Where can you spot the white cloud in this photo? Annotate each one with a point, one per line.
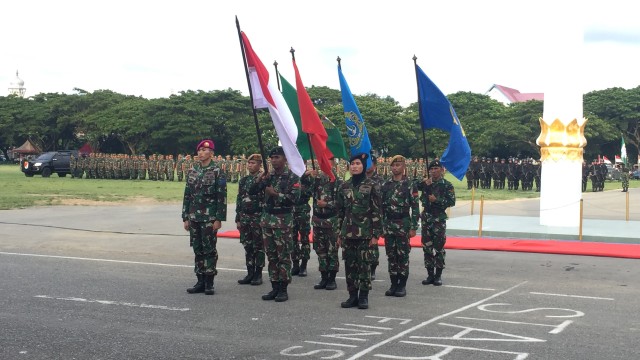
(153, 48)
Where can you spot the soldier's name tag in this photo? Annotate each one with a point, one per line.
(365, 189)
(348, 193)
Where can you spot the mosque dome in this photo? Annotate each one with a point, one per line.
(17, 82)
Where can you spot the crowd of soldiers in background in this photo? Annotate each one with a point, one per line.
(167, 168)
(516, 173)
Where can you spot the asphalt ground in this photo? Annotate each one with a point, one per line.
(107, 282)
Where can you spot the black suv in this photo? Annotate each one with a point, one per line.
(48, 163)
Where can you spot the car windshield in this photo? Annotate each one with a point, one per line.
(45, 157)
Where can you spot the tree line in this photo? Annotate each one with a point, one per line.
(115, 123)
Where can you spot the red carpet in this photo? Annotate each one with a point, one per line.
(631, 251)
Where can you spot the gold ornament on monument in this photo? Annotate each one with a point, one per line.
(558, 141)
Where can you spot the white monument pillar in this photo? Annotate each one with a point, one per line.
(562, 125)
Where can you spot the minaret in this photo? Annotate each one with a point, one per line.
(16, 87)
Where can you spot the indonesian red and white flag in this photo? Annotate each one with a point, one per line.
(266, 95)
(605, 160)
(617, 159)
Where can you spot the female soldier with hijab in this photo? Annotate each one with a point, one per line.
(360, 226)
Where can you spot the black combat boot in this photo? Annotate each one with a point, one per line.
(275, 287)
(363, 299)
(437, 280)
(373, 272)
(303, 268)
(401, 291)
(208, 284)
(282, 293)
(247, 279)
(352, 301)
(295, 269)
(324, 278)
(257, 276)
(331, 282)
(198, 287)
(429, 279)
(393, 288)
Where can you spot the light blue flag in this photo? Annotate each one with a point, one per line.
(356, 130)
(436, 112)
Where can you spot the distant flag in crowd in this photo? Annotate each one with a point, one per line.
(436, 112)
(356, 130)
(617, 159)
(266, 95)
(312, 125)
(606, 160)
(623, 151)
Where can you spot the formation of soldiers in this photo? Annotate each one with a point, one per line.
(516, 173)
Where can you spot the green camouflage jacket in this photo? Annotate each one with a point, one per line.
(323, 189)
(248, 205)
(400, 207)
(205, 194)
(445, 198)
(359, 210)
(277, 211)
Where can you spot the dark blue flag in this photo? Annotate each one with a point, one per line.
(436, 112)
(356, 130)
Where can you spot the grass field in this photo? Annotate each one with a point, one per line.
(19, 191)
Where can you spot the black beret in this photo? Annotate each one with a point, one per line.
(362, 157)
(278, 150)
(435, 163)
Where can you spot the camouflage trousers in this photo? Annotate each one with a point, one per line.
(278, 244)
(251, 240)
(203, 240)
(375, 255)
(434, 236)
(302, 226)
(324, 243)
(625, 182)
(356, 254)
(142, 174)
(397, 248)
(180, 175)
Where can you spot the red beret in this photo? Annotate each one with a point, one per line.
(206, 144)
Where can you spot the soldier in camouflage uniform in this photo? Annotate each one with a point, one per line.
(437, 195)
(325, 224)
(624, 177)
(248, 211)
(301, 228)
(400, 211)
(179, 170)
(204, 207)
(282, 190)
(144, 166)
(360, 227)
(373, 174)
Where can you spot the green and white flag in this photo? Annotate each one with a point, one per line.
(623, 151)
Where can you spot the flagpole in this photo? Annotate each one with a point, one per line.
(255, 114)
(424, 138)
(313, 165)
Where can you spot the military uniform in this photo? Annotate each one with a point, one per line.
(375, 250)
(276, 223)
(359, 224)
(400, 211)
(434, 224)
(248, 212)
(624, 177)
(205, 201)
(325, 227)
(301, 229)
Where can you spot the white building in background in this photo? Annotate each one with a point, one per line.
(16, 87)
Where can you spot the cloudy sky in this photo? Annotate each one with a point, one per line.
(156, 48)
